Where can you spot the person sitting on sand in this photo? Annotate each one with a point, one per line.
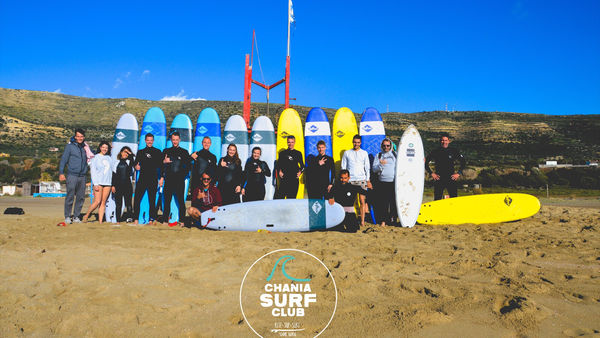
(205, 197)
(345, 194)
(101, 172)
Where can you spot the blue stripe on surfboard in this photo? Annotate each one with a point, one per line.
(262, 137)
(317, 216)
(126, 136)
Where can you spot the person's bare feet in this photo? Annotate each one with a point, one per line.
(85, 218)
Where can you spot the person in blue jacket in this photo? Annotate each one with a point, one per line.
(75, 159)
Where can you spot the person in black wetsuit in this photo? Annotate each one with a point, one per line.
(121, 182)
(204, 161)
(176, 165)
(344, 193)
(445, 175)
(147, 162)
(254, 177)
(320, 173)
(289, 167)
(229, 174)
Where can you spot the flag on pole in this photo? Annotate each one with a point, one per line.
(292, 18)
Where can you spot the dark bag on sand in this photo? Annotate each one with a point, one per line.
(14, 211)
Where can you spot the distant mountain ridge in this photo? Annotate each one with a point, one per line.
(33, 121)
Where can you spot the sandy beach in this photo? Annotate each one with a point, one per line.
(535, 277)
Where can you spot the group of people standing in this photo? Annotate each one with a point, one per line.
(215, 183)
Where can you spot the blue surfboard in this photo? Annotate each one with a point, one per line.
(372, 132)
(182, 124)
(316, 129)
(208, 124)
(156, 124)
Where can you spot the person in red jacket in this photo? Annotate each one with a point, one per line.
(204, 197)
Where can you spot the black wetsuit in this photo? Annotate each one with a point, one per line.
(253, 182)
(174, 174)
(289, 162)
(150, 161)
(318, 177)
(229, 178)
(121, 181)
(345, 195)
(206, 162)
(444, 159)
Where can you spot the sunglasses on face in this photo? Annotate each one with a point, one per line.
(206, 179)
(387, 145)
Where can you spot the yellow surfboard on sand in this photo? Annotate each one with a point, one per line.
(343, 130)
(290, 124)
(479, 209)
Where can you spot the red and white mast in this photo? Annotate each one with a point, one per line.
(248, 80)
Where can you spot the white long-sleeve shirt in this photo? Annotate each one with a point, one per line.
(357, 163)
(101, 170)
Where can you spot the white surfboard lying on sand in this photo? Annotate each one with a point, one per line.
(282, 216)
(410, 176)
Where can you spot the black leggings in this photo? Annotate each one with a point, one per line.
(123, 191)
(444, 183)
(141, 187)
(255, 193)
(174, 187)
(287, 189)
(385, 207)
(228, 194)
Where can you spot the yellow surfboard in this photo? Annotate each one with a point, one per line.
(344, 129)
(478, 209)
(290, 124)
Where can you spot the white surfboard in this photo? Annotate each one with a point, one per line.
(410, 176)
(283, 216)
(263, 136)
(126, 134)
(236, 132)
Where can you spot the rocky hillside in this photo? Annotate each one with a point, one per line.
(33, 121)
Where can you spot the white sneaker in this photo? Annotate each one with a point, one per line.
(76, 220)
(68, 220)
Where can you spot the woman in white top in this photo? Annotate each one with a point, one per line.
(101, 172)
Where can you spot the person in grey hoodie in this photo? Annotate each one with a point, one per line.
(384, 166)
(75, 158)
(101, 174)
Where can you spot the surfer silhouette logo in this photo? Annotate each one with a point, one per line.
(283, 260)
(316, 207)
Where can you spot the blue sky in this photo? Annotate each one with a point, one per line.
(410, 56)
